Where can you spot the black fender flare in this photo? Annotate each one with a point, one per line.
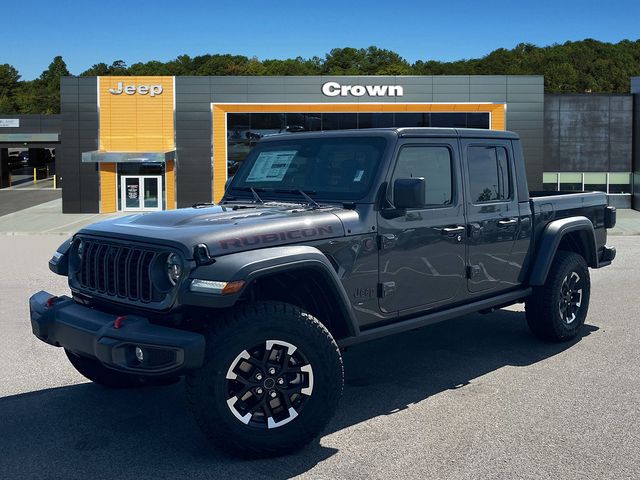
(59, 263)
(550, 240)
(251, 265)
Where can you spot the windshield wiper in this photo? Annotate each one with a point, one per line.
(309, 200)
(254, 191)
(256, 197)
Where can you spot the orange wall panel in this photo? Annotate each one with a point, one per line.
(170, 185)
(136, 123)
(108, 188)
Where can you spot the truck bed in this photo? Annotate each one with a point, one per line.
(549, 206)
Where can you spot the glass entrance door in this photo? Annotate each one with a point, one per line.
(141, 192)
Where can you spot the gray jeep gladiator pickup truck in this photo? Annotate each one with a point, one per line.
(321, 241)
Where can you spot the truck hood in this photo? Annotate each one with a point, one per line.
(225, 229)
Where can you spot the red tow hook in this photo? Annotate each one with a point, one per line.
(51, 301)
(117, 323)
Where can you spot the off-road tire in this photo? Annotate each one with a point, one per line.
(98, 373)
(544, 313)
(239, 330)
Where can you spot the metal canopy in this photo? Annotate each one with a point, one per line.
(29, 137)
(100, 156)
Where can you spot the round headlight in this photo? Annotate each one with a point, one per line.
(174, 268)
(80, 249)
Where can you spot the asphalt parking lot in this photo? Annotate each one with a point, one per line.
(473, 398)
(13, 200)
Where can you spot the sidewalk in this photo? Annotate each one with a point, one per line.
(47, 218)
(627, 223)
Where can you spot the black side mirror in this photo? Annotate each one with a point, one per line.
(409, 192)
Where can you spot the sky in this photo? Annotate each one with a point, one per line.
(88, 32)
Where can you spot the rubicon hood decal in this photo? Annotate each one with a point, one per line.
(225, 230)
(277, 237)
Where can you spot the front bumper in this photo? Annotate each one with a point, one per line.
(112, 340)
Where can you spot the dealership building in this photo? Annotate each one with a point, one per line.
(153, 143)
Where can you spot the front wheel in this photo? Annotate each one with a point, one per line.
(271, 381)
(557, 310)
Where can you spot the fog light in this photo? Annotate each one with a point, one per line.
(139, 354)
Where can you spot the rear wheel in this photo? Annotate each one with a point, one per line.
(557, 310)
(271, 381)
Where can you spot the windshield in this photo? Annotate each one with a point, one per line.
(330, 168)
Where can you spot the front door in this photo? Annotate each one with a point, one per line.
(422, 252)
(141, 192)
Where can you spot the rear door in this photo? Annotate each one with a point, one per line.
(492, 214)
(422, 253)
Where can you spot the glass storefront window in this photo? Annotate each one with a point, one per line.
(478, 120)
(610, 183)
(454, 120)
(412, 120)
(571, 182)
(550, 182)
(375, 120)
(267, 123)
(619, 182)
(595, 182)
(303, 122)
(339, 121)
(245, 129)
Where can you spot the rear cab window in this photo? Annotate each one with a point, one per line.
(489, 174)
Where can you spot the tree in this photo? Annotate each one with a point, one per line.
(9, 85)
(48, 86)
(586, 65)
(97, 70)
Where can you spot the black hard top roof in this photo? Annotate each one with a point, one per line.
(404, 132)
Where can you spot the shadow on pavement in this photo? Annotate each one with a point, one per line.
(85, 431)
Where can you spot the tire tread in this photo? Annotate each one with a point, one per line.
(195, 387)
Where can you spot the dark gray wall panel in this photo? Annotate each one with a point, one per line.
(33, 124)
(588, 133)
(636, 142)
(193, 140)
(79, 132)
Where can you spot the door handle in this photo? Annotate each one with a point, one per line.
(508, 222)
(452, 231)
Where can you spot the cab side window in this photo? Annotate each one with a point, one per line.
(489, 174)
(433, 163)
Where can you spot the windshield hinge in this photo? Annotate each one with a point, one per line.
(386, 289)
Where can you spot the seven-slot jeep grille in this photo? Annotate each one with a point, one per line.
(118, 270)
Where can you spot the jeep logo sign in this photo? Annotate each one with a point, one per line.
(152, 90)
(334, 89)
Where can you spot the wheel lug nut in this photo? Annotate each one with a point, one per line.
(272, 371)
(273, 394)
(281, 381)
(259, 391)
(258, 376)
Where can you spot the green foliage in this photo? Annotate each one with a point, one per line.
(584, 66)
(9, 85)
